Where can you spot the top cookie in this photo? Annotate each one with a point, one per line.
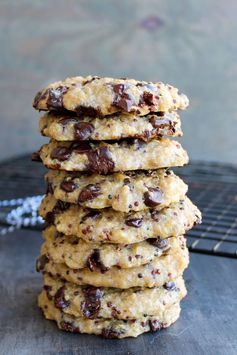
(95, 96)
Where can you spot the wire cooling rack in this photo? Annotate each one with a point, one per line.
(213, 187)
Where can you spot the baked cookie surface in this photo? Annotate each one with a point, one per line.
(162, 269)
(115, 127)
(131, 191)
(108, 328)
(95, 96)
(104, 158)
(110, 226)
(77, 254)
(91, 302)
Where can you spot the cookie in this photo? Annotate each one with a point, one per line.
(63, 127)
(108, 328)
(94, 96)
(110, 226)
(162, 269)
(104, 158)
(77, 254)
(91, 302)
(131, 191)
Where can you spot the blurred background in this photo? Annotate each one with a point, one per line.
(190, 44)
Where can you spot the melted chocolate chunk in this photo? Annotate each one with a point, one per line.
(55, 98)
(155, 325)
(122, 100)
(109, 333)
(61, 153)
(59, 299)
(170, 285)
(91, 305)
(88, 111)
(100, 161)
(134, 222)
(83, 130)
(68, 186)
(36, 157)
(94, 214)
(41, 261)
(69, 327)
(153, 197)
(94, 262)
(89, 192)
(158, 242)
(81, 147)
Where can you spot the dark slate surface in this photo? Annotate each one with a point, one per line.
(207, 325)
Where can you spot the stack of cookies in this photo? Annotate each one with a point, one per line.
(114, 251)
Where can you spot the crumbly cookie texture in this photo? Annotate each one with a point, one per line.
(108, 328)
(91, 302)
(104, 158)
(78, 254)
(110, 226)
(131, 191)
(161, 270)
(95, 96)
(63, 127)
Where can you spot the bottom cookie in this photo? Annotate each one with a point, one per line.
(108, 328)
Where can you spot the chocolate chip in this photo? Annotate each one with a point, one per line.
(100, 161)
(59, 299)
(81, 147)
(36, 157)
(170, 286)
(155, 325)
(91, 305)
(47, 290)
(122, 100)
(37, 99)
(109, 333)
(61, 153)
(155, 215)
(94, 262)
(55, 98)
(126, 181)
(69, 327)
(92, 79)
(89, 192)
(94, 214)
(41, 261)
(158, 123)
(65, 120)
(148, 98)
(158, 242)
(134, 222)
(153, 197)
(88, 111)
(83, 130)
(68, 186)
(60, 206)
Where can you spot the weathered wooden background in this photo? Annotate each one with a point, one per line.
(188, 43)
